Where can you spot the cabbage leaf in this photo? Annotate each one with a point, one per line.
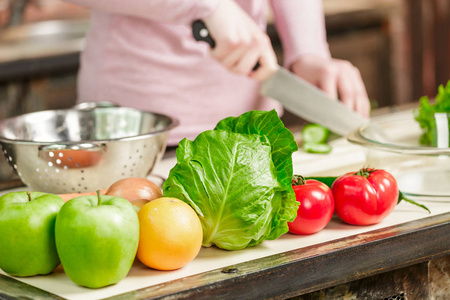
(238, 179)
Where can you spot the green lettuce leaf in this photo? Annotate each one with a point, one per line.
(238, 179)
(424, 114)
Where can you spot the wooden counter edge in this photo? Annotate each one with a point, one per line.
(315, 267)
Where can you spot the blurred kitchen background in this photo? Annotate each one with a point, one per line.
(402, 48)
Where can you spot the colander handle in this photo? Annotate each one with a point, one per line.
(92, 105)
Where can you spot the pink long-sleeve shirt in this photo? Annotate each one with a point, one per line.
(142, 54)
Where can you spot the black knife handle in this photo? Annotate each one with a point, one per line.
(201, 33)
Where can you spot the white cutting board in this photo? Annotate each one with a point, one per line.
(344, 157)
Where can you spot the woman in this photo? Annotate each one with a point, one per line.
(142, 54)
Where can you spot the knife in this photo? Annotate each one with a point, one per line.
(299, 96)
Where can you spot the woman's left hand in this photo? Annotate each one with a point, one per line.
(338, 78)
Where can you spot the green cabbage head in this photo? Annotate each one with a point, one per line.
(237, 177)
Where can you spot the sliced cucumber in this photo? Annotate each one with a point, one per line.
(315, 133)
(312, 147)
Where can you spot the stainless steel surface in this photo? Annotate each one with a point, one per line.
(73, 150)
(308, 102)
(45, 30)
(42, 39)
(420, 171)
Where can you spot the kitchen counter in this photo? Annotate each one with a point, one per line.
(396, 257)
(41, 48)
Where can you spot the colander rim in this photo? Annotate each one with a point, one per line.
(174, 122)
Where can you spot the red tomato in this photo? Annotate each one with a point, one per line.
(365, 197)
(316, 206)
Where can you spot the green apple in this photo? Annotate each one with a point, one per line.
(97, 239)
(27, 233)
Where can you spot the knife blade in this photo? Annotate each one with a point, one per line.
(308, 102)
(299, 96)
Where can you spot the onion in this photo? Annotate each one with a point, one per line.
(139, 203)
(135, 188)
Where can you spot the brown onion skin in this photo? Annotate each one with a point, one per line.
(140, 202)
(135, 188)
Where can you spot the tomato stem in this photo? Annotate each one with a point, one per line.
(365, 172)
(402, 197)
(298, 180)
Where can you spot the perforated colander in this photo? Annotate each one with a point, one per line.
(82, 150)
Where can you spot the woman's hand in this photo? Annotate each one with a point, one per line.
(240, 43)
(336, 78)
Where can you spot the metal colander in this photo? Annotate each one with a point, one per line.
(82, 150)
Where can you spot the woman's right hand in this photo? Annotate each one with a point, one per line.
(240, 42)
